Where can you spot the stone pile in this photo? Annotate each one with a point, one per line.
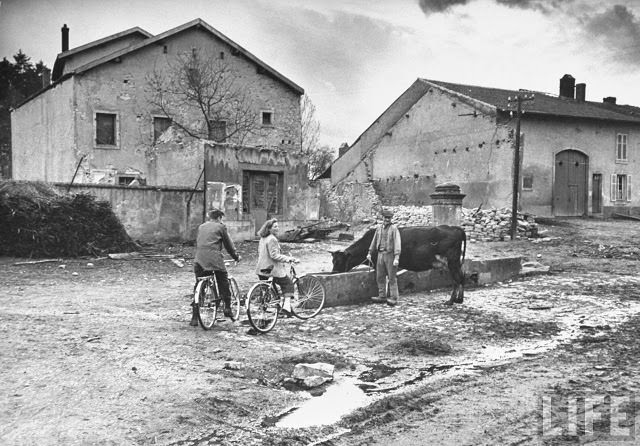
(412, 215)
(495, 225)
(484, 225)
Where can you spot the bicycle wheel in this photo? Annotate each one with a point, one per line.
(308, 298)
(207, 308)
(235, 299)
(262, 307)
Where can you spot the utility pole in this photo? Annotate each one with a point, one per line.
(204, 182)
(519, 99)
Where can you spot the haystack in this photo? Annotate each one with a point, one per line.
(37, 221)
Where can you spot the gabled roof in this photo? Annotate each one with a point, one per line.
(197, 23)
(544, 103)
(58, 65)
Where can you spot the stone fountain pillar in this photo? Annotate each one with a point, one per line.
(447, 205)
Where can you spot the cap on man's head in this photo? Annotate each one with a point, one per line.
(215, 213)
(387, 213)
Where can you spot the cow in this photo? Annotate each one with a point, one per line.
(423, 248)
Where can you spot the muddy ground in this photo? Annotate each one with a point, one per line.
(104, 354)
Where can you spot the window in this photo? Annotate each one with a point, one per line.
(621, 147)
(160, 125)
(527, 182)
(106, 129)
(267, 118)
(125, 180)
(620, 187)
(217, 130)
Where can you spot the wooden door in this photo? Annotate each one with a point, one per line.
(262, 195)
(570, 186)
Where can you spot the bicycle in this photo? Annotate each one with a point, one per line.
(264, 300)
(207, 299)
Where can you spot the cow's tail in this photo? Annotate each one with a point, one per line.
(464, 246)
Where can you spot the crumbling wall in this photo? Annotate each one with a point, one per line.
(349, 202)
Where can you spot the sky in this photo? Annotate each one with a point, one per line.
(355, 57)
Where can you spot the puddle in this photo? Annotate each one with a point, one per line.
(349, 393)
(340, 399)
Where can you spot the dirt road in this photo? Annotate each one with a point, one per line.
(104, 354)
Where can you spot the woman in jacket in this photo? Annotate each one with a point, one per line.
(271, 261)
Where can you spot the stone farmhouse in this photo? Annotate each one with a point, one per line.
(97, 126)
(578, 157)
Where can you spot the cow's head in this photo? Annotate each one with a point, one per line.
(340, 261)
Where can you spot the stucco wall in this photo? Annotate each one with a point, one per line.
(42, 132)
(159, 214)
(76, 60)
(545, 138)
(351, 167)
(150, 214)
(441, 140)
(123, 88)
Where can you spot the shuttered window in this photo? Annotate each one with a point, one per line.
(621, 147)
(620, 187)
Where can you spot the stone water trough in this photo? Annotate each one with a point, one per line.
(355, 287)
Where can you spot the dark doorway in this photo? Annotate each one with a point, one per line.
(596, 193)
(570, 186)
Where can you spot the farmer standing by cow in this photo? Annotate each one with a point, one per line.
(386, 242)
(212, 237)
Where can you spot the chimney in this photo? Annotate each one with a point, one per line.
(65, 38)
(609, 100)
(581, 90)
(567, 85)
(344, 148)
(46, 77)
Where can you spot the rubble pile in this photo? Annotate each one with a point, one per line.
(484, 225)
(495, 224)
(412, 215)
(37, 221)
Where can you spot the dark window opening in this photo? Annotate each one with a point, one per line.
(160, 125)
(527, 182)
(125, 180)
(217, 131)
(106, 129)
(267, 118)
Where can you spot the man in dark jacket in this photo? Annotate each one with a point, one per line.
(386, 242)
(212, 237)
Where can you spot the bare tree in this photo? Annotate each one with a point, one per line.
(320, 160)
(320, 157)
(202, 96)
(310, 126)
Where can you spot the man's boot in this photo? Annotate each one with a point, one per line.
(194, 315)
(392, 301)
(227, 309)
(377, 299)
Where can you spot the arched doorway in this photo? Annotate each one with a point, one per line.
(570, 191)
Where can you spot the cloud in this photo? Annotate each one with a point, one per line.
(618, 29)
(615, 30)
(544, 6)
(429, 6)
